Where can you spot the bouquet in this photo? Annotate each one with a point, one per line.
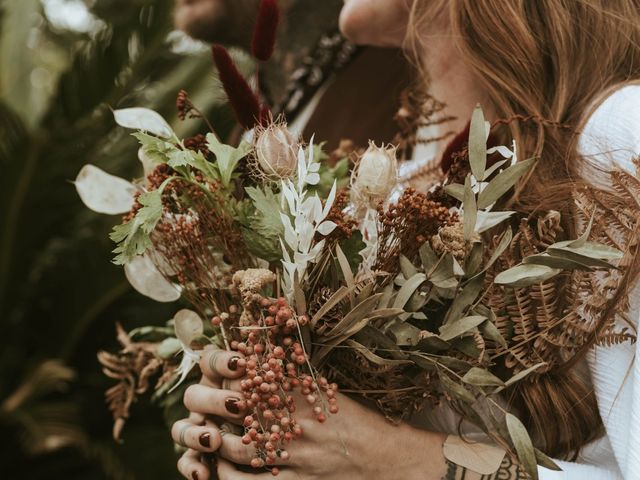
(327, 273)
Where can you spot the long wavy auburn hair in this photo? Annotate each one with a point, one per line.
(554, 60)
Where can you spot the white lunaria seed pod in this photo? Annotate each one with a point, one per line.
(375, 176)
(277, 150)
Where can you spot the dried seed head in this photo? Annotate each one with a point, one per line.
(376, 175)
(277, 150)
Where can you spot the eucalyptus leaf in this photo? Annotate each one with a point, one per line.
(590, 249)
(523, 374)
(523, 445)
(407, 268)
(360, 311)
(481, 378)
(465, 298)
(587, 261)
(478, 144)
(432, 344)
(442, 274)
(505, 241)
(408, 289)
(404, 333)
(546, 462)
(470, 213)
(372, 357)
(525, 275)
(474, 258)
(556, 261)
(456, 390)
(491, 332)
(428, 257)
(346, 269)
(503, 182)
(455, 190)
(488, 220)
(460, 327)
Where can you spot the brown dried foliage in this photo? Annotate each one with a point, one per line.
(133, 367)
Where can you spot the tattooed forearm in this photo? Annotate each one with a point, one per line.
(508, 470)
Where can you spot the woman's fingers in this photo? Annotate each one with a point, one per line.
(202, 438)
(217, 364)
(223, 403)
(191, 467)
(228, 471)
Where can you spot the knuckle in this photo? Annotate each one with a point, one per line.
(189, 395)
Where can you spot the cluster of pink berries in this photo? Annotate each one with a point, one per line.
(277, 365)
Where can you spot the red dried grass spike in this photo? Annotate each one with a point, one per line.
(242, 98)
(264, 35)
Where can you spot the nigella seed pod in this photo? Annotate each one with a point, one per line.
(276, 151)
(376, 175)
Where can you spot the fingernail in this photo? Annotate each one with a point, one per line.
(231, 404)
(194, 475)
(233, 363)
(205, 440)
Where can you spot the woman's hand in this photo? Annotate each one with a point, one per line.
(356, 443)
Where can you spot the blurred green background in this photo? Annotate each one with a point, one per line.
(63, 65)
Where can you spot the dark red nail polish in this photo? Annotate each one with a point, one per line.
(231, 404)
(205, 440)
(233, 363)
(194, 475)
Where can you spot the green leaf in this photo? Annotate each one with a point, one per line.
(405, 334)
(460, 327)
(592, 250)
(267, 216)
(523, 374)
(546, 462)
(523, 445)
(505, 241)
(491, 332)
(168, 348)
(456, 390)
(474, 259)
(470, 213)
(503, 182)
(525, 275)
(227, 157)
(408, 289)
(407, 268)
(428, 257)
(582, 239)
(481, 378)
(555, 261)
(478, 144)
(133, 237)
(455, 190)
(465, 298)
(442, 275)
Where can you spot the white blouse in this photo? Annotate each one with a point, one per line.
(612, 135)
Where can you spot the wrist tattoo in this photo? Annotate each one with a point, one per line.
(508, 470)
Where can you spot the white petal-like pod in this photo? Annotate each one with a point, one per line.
(143, 119)
(147, 279)
(147, 163)
(188, 326)
(104, 193)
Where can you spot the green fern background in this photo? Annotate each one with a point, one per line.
(59, 294)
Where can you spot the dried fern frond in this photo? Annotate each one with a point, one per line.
(133, 367)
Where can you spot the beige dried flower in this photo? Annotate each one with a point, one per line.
(276, 150)
(252, 280)
(375, 176)
(450, 239)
